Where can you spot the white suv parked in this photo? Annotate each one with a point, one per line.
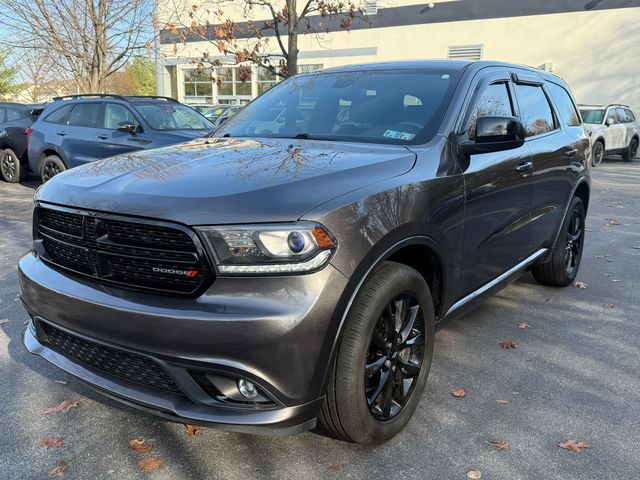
(614, 131)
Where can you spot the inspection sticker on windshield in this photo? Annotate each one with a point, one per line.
(399, 135)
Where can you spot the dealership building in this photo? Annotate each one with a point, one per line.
(593, 44)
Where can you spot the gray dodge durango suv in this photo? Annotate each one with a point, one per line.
(291, 269)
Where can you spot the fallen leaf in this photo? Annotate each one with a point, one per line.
(474, 474)
(64, 407)
(334, 467)
(62, 382)
(60, 469)
(53, 442)
(499, 444)
(26, 322)
(502, 402)
(524, 325)
(636, 247)
(192, 429)
(3, 321)
(608, 274)
(459, 393)
(580, 285)
(149, 464)
(139, 445)
(573, 446)
(608, 305)
(612, 221)
(508, 344)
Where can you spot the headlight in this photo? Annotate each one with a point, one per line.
(269, 249)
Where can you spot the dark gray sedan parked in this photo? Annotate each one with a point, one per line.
(293, 270)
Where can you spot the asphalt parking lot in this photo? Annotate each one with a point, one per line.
(575, 375)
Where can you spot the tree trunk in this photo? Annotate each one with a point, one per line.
(292, 50)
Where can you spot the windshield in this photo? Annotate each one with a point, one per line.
(592, 116)
(399, 107)
(172, 116)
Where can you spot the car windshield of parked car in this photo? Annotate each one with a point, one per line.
(592, 116)
(377, 106)
(172, 116)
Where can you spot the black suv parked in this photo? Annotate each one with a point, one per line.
(294, 270)
(15, 120)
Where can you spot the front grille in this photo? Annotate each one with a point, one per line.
(130, 253)
(121, 364)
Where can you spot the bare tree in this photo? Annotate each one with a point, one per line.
(240, 37)
(89, 40)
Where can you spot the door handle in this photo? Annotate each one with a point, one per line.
(523, 167)
(62, 134)
(571, 153)
(102, 137)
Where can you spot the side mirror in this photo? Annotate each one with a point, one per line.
(128, 127)
(495, 134)
(610, 121)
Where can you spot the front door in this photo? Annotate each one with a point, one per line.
(498, 190)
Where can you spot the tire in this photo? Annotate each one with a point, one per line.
(12, 169)
(562, 267)
(632, 151)
(351, 410)
(50, 167)
(598, 153)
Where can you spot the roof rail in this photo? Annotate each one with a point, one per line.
(157, 97)
(90, 95)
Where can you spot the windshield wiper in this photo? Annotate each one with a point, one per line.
(306, 136)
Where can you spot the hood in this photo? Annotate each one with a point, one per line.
(224, 181)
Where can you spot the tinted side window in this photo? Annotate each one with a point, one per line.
(60, 116)
(85, 115)
(13, 115)
(535, 111)
(632, 117)
(623, 117)
(566, 108)
(115, 114)
(2, 110)
(495, 101)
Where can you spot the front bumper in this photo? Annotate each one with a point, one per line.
(276, 332)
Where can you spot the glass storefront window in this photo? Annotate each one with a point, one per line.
(198, 85)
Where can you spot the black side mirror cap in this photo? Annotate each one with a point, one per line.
(495, 134)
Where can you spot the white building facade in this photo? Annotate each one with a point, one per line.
(594, 45)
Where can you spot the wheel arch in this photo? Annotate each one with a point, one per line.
(421, 252)
(48, 151)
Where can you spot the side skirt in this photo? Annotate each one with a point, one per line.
(467, 303)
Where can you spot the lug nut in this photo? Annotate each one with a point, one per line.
(387, 363)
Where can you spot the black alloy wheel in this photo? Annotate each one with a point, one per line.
(395, 356)
(597, 154)
(50, 167)
(9, 167)
(573, 247)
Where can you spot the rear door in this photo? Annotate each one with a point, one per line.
(117, 142)
(79, 139)
(559, 147)
(497, 229)
(627, 122)
(614, 131)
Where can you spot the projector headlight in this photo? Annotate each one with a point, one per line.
(269, 248)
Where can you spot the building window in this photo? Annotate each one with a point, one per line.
(229, 85)
(310, 67)
(198, 86)
(465, 52)
(370, 7)
(266, 79)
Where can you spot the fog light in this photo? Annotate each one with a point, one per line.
(247, 389)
